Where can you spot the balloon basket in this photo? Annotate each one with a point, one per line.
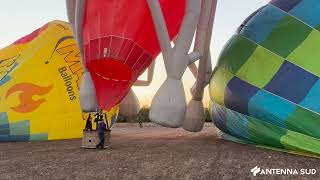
(90, 139)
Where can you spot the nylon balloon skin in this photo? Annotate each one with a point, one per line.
(120, 42)
(39, 79)
(265, 89)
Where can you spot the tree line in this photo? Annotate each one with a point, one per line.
(143, 117)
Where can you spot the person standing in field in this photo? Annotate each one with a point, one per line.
(101, 128)
(89, 124)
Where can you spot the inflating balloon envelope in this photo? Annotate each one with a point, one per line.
(119, 40)
(265, 88)
(119, 43)
(39, 87)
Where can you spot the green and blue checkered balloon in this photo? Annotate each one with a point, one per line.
(265, 89)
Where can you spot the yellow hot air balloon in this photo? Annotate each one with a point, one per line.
(39, 81)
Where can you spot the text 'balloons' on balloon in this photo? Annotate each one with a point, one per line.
(39, 87)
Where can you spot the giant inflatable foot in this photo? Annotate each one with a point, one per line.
(195, 117)
(88, 99)
(130, 107)
(168, 107)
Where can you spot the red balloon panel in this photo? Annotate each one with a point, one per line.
(122, 31)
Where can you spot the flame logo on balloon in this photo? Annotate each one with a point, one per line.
(27, 91)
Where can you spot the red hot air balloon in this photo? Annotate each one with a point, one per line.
(120, 42)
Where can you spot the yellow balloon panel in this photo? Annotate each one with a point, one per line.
(39, 81)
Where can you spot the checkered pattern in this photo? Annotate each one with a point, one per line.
(291, 82)
(266, 87)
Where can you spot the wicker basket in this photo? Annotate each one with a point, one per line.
(90, 139)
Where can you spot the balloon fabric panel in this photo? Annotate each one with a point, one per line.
(123, 31)
(265, 87)
(39, 81)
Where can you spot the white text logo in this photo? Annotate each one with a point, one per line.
(255, 170)
(279, 171)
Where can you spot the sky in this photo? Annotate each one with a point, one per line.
(21, 17)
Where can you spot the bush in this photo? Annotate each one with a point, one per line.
(143, 115)
(207, 115)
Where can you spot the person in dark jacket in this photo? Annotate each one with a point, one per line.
(88, 124)
(96, 118)
(101, 128)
